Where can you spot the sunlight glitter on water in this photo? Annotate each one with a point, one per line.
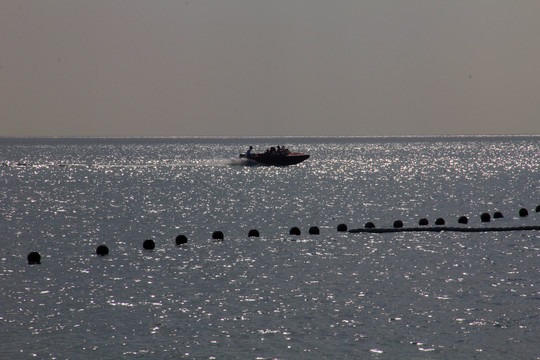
(269, 297)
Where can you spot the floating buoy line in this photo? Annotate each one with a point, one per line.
(445, 228)
(398, 226)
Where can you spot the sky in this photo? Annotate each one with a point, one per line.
(269, 67)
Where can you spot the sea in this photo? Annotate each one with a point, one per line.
(332, 295)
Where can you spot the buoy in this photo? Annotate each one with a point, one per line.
(314, 230)
(498, 215)
(217, 235)
(423, 222)
(439, 221)
(369, 225)
(342, 228)
(463, 220)
(485, 217)
(149, 244)
(34, 258)
(294, 231)
(398, 224)
(523, 212)
(253, 233)
(181, 239)
(102, 250)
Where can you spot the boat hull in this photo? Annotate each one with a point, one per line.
(277, 159)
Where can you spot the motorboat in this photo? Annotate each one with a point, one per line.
(276, 157)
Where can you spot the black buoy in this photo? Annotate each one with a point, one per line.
(149, 244)
(102, 250)
(342, 228)
(369, 225)
(485, 217)
(439, 221)
(523, 212)
(398, 224)
(463, 220)
(498, 215)
(34, 258)
(538, 208)
(314, 230)
(217, 235)
(294, 231)
(181, 239)
(423, 222)
(253, 233)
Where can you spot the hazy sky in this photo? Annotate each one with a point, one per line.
(269, 67)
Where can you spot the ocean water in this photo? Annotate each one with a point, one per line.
(420, 295)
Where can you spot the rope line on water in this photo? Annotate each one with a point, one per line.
(445, 228)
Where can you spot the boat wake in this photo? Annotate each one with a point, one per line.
(241, 162)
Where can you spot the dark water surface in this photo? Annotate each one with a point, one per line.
(333, 295)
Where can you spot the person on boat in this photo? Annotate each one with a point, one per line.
(248, 153)
(282, 150)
